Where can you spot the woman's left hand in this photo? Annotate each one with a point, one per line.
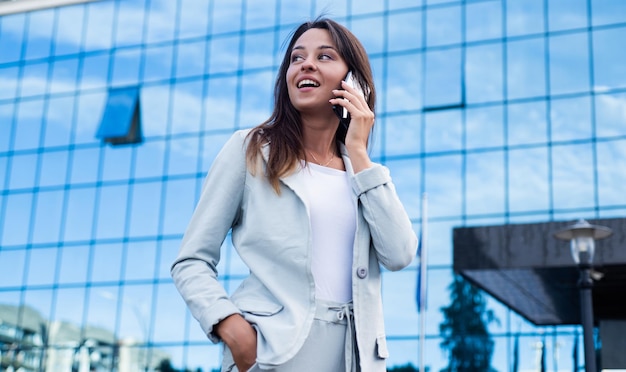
(361, 123)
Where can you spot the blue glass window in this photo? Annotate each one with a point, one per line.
(121, 122)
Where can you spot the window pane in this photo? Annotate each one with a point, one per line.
(224, 54)
(186, 107)
(407, 179)
(130, 20)
(256, 50)
(158, 63)
(7, 129)
(125, 67)
(483, 73)
(443, 185)
(59, 121)
(144, 209)
(191, 58)
(194, 18)
(64, 76)
(140, 260)
(572, 172)
(443, 131)
(95, 71)
(149, 159)
(169, 252)
(370, 31)
(101, 308)
(112, 212)
(527, 123)
(116, 162)
(79, 214)
(12, 264)
(8, 77)
(169, 315)
(404, 83)
(610, 114)
(107, 263)
(404, 31)
(74, 264)
(609, 71)
(90, 110)
(484, 127)
(29, 126)
(23, 169)
(569, 64)
(154, 105)
(483, 20)
(399, 290)
(135, 320)
(567, 14)
(220, 104)
(611, 176)
(608, 12)
(18, 207)
(40, 26)
(179, 204)
(526, 69)
(69, 305)
(41, 266)
(524, 17)
(528, 180)
(69, 29)
(158, 28)
(99, 24)
(34, 79)
(232, 22)
(485, 183)
(11, 31)
(443, 78)
(403, 135)
(85, 164)
(47, 219)
(256, 98)
(443, 25)
(571, 119)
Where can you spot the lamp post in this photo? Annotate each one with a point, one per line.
(582, 236)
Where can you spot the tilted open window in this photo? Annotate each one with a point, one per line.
(121, 120)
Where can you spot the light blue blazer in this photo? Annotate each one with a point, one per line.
(272, 235)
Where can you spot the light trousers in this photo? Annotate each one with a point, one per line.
(330, 346)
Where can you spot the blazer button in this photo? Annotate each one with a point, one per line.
(361, 272)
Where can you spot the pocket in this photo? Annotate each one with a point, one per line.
(259, 308)
(381, 347)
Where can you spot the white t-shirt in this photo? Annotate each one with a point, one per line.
(329, 198)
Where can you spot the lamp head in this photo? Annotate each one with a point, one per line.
(582, 236)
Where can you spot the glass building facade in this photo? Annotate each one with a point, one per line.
(111, 112)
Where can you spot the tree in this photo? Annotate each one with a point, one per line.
(464, 329)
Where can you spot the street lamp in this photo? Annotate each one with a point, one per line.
(582, 236)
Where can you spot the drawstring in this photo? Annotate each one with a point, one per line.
(346, 312)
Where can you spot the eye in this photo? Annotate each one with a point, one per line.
(325, 57)
(296, 57)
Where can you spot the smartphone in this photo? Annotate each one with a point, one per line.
(342, 112)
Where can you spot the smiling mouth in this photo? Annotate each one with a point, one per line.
(307, 83)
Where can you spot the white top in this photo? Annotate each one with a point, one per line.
(333, 224)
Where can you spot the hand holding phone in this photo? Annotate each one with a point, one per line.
(342, 112)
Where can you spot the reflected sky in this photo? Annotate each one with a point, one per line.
(495, 109)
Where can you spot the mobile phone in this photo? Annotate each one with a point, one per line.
(342, 112)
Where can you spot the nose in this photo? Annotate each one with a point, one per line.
(308, 65)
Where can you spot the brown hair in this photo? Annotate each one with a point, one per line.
(284, 128)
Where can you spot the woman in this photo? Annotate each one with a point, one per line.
(311, 216)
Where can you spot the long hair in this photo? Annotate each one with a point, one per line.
(283, 129)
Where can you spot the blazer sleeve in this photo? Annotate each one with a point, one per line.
(392, 234)
(194, 270)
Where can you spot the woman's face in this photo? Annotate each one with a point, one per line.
(316, 68)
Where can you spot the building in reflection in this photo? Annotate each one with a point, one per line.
(29, 343)
(112, 111)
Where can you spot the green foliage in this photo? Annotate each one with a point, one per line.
(464, 330)
(405, 368)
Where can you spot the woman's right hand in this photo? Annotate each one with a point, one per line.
(240, 337)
